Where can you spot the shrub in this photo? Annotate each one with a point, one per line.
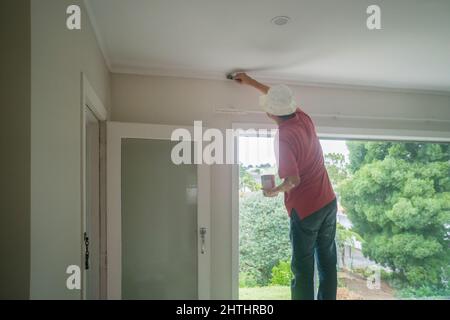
(341, 283)
(246, 280)
(264, 236)
(281, 274)
(364, 272)
(424, 292)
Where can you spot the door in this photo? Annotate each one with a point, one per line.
(158, 217)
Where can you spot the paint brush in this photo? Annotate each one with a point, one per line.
(231, 76)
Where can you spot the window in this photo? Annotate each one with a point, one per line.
(393, 220)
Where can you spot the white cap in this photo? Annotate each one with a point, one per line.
(278, 101)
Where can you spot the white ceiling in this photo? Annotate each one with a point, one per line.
(326, 42)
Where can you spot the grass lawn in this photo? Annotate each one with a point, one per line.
(265, 293)
(284, 293)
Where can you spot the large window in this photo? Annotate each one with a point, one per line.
(393, 220)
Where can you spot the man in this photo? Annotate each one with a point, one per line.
(308, 195)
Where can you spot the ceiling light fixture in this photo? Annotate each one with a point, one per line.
(280, 20)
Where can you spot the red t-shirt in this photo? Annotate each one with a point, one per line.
(300, 154)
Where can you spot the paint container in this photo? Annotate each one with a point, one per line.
(268, 181)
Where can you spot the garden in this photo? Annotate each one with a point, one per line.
(394, 209)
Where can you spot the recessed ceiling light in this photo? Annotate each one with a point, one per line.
(280, 20)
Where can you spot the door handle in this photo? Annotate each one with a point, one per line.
(86, 252)
(203, 239)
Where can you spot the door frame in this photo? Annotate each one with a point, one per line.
(116, 131)
(91, 101)
(323, 132)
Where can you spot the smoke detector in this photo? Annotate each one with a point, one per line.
(280, 20)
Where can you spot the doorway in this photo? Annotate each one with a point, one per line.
(92, 224)
(93, 180)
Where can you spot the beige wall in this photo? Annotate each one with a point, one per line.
(58, 58)
(165, 100)
(181, 100)
(15, 149)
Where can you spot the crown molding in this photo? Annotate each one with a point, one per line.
(126, 68)
(164, 71)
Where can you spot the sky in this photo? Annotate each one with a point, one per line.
(254, 150)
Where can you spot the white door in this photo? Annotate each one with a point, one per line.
(158, 217)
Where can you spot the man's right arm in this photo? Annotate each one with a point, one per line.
(245, 79)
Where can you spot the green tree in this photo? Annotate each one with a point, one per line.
(264, 236)
(246, 180)
(336, 168)
(398, 199)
